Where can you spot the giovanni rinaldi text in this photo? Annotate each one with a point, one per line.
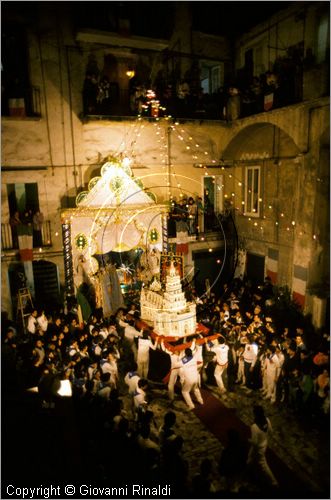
(89, 491)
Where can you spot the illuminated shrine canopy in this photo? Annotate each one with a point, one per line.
(115, 188)
(116, 214)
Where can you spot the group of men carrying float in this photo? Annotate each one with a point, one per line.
(186, 361)
(185, 352)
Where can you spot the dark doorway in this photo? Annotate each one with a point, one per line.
(255, 268)
(209, 266)
(46, 282)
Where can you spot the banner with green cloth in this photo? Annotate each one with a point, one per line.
(25, 245)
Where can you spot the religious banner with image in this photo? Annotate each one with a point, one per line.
(165, 262)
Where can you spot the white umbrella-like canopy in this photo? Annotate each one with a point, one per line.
(116, 214)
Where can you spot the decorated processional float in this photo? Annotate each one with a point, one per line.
(117, 237)
(111, 239)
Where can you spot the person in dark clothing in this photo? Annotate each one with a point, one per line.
(202, 486)
(291, 363)
(14, 222)
(90, 92)
(232, 462)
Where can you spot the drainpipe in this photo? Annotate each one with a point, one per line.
(71, 121)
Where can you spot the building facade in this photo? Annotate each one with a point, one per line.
(261, 145)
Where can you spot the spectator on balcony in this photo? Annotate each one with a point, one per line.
(271, 91)
(14, 221)
(103, 96)
(209, 211)
(27, 217)
(200, 103)
(139, 99)
(167, 100)
(90, 92)
(233, 107)
(183, 93)
(37, 220)
(192, 215)
(200, 213)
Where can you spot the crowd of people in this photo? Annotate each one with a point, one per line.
(244, 96)
(192, 215)
(107, 362)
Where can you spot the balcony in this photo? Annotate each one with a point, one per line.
(9, 240)
(246, 96)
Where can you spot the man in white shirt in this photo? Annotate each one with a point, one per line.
(131, 379)
(189, 375)
(140, 399)
(144, 345)
(32, 322)
(108, 364)
(131, 333)
(221, 351)
(175, 358)
(250, 357)
(42, 321)
(272, 371)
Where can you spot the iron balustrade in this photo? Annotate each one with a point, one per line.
(10, 242)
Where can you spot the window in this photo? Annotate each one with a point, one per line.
(211, 77)
(215, 78)
(22, 197)
(252, 191)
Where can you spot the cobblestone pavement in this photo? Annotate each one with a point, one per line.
(305, 450)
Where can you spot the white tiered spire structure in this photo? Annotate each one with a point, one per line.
(169, 311)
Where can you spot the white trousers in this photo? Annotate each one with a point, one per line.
(218, 374)
(172, 382)
(189, 386)
(142, 367)
(271, 385)
(241, 372)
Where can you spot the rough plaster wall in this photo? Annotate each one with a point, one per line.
(211, 46)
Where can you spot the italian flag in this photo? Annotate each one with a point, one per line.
(25, 243)
(299, 285)
(268, 101)
(272, 265)
(182, 242)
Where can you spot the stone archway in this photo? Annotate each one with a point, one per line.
(260, 141)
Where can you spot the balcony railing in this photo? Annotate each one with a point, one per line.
(9, 240)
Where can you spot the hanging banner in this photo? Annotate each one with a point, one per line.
(268, 102)
(25, 242)
(25, 245)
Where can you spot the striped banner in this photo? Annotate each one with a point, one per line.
(25, 245)
(272, 265)
(268, 101)
(182, 242)
(299, 284)
(25, 242)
